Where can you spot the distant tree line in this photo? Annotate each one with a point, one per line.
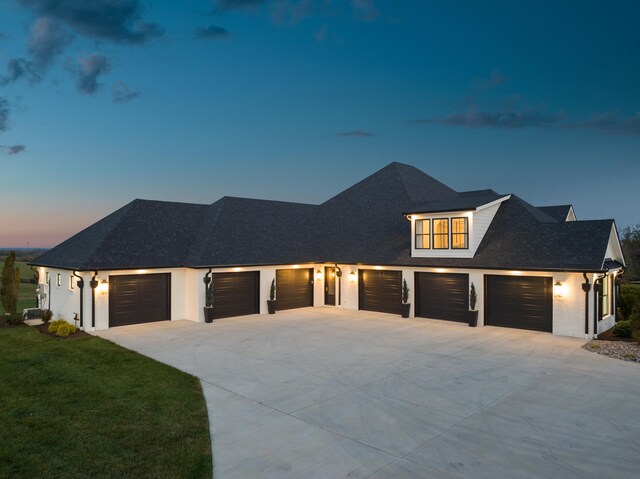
(630, 241)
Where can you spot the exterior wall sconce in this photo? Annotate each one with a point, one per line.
(559, 290)
(103, 287)
(353, 277)
(318, 275)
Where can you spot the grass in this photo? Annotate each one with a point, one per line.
(85, 407)
(27, 291)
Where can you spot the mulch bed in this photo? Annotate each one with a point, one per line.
(624, 350)
(44, 329)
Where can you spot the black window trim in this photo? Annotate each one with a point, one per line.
(428, 235)
(466, 233)
(447, 234)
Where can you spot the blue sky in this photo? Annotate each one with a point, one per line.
(102, 102)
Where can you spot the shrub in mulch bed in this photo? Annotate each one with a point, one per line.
(11, 320)
(619, 349)
(44, 329)
(609, 336)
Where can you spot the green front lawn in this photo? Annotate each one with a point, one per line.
(85, 407)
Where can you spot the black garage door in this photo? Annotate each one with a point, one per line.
(235, 294)
(524, 302)
(442, 296)
(380, 290)
(139, 298)
(294, 288)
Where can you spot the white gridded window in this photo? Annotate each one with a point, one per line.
(423, 234)
(459, 233)
(441, 233)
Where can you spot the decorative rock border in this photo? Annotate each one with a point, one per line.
(624, 350)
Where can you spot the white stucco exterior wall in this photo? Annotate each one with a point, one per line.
(188, 298)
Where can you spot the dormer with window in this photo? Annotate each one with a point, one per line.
(451, 234)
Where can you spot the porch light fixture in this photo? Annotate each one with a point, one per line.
(353, 277)
(103, 287)
(318, 275)
(559, 290)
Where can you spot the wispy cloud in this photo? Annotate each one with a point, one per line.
(228, 5)
(365, 10)
(122, 93)
(119, 21)
(496, 79)
(89, 71)
(612, 122)
(5, 111)
(47, 40)
(357, 134)
(513, 117)
(16, 149)
(212, 32)
(504, 118)
(288, 12)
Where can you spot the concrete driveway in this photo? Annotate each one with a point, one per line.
(327, 393)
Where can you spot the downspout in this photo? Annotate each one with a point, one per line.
(94, 284)
(586, 287)
(80, 284)
(339, 276)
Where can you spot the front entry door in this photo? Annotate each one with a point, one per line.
(330, 285)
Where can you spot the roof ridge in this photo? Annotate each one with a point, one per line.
(227, 198)
(205, 225)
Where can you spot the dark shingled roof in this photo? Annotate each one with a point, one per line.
(363, 224)
(559, 212)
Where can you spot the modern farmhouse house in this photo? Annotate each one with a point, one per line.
(536, 268)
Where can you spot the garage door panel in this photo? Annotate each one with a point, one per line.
(137, 299)
(235, 294)
(294, 288)
(519, 302)
(442, 296)
(380, 290)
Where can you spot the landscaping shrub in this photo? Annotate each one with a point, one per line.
(15, 318)
(634, 318)
(623, 329)
(47, 314)
(629, 297)
(65, 329)
(54, 325)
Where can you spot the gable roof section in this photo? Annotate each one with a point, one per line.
(363, 224)
(559, 212)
